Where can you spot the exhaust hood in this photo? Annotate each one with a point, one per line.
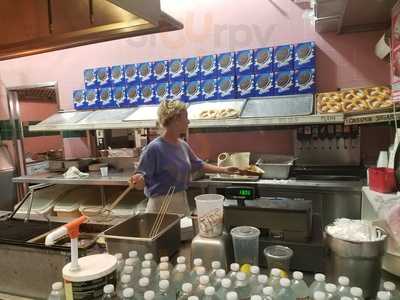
(32, 27)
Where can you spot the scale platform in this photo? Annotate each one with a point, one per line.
(233, 177)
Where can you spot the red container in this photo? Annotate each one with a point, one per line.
(382, 180)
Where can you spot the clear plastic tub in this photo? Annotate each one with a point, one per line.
(278, 257)
(210, 214)
(245, 244)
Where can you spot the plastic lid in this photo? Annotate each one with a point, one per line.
(284, 282)
(149, 295)
(92, 267)
(187, 287)
(108, 289)
(231, 296)
(220, 273)
(383, 295)
(343, 280)
(255, 297)
(144, 281)
(319, 277)
(297, 275)
(181, 260)
(198, 262)
(356, 291)
(193, 298)
(254, 270)
(164, 259)
(319, 295)
(226, 283)
(389, 286)
(276, 272)
(204, 280)
(209, 291)
(345, 298)
(128, 292)
(181, 268)
(130, 262)
(200, 271)
(241, 276)
(164, 275)
(268, 291)
(127, 270)
(146, 264)
(235, 267)
(263, 279)
(164, 266)
(216, 265)
(164, 285)
(245, 232)
(57, 285)
(126, 278)
(146, 272)
(118, 256)
(330, 288)
(148, 256)
(133, 254)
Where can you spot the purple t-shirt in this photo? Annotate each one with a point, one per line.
(164, 165)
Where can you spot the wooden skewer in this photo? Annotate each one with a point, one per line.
(168, 202)
(160, 215)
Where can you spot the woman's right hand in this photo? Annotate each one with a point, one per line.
(137, 181)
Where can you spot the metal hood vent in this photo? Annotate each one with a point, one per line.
(32, 27)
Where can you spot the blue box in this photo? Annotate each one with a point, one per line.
(284, 83)
(89, 76)
(193, 91)
(264, 84)
(161, 71)
(304, 81)
(119, 96)
(79, 100)
(131, 74)
(133, 95)
(117, 75)
(263, 60)
(192, 68)
(226, 87)
(208, 67)
(161, 91)
(226, 64)
(103, 76)
(177, 90)
(244, 62)
(245, 86)
(147, 94)
(283, 58)
(209, 89)
(304, 55)
(105, 98)
(176, 71)
(92, 98)
(146, 73)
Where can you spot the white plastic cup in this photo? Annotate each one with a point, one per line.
(383, 159)
(245, 244)
(210, 214)
(104, 171)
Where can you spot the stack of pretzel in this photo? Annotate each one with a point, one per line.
(219, 113)
(354, 100)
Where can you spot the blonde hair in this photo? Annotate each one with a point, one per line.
(169, 109)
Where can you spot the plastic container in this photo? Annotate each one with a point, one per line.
(382, 180)
(278, 257)
(245, 244)
(210, 214)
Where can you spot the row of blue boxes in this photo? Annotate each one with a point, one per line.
(245, 62)
(284, 82)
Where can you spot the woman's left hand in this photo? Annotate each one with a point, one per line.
(230, 170)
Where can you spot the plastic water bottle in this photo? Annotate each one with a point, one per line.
(383, 295)
(319, 295)
(181, 260)
(164, 292)
(285, 293)
(318, 285)
(331, 291)
(225, 288)
(197, 263)
(253, 278)
(344, 287)
(108, 292)
(268, 293)
(147, 273)
(120, 262)
(204, 281)
(149, 257)
(209, 294)
(193, 298)
(215, 265)
(180, 277)
(299, 287)
(219, 275)
(262, 281)
(232, 296)
(234, 269)
(149, 295)
(391, 288)
(345, 298)
(143, 286)
(201, 271)
(356, 293)
(165, 259)
(255, 297)
(186, 291)
(128, 294)
(135, 257)
(57, 291)
(274, 280)
(242, 286)
(162, 267)
(124, 283)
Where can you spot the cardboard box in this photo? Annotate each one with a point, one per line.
(119, 96)
(103, 76)
(92, 98)
(79, 100)
(209, 89)
(244, 62)
(131, 74)
(304, 55)
(284, 83)
(192, 68)
(161, 91)
(146, 73)
(226, 87)
(89, 76)
(245, 86)
(176, 71)
(264, 84)
(161, 71)
(208, 67)
(117, 75)
(263, 60)
(177, 90)
(147, 94)
(193, 91)
(133, 95)
(304, 81)
(283, 58)
(105, 98)
(226, 64)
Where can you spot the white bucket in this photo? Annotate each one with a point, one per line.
(210, 214)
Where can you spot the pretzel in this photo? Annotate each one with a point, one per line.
(354, 105)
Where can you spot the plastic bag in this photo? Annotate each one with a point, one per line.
(389, 211)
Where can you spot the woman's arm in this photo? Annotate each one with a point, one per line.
(209, 168)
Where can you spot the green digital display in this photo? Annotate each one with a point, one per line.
(245, 192)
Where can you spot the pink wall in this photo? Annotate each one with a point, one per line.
(211, 26)
(34, 110)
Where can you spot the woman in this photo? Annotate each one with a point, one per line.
(168, 162)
